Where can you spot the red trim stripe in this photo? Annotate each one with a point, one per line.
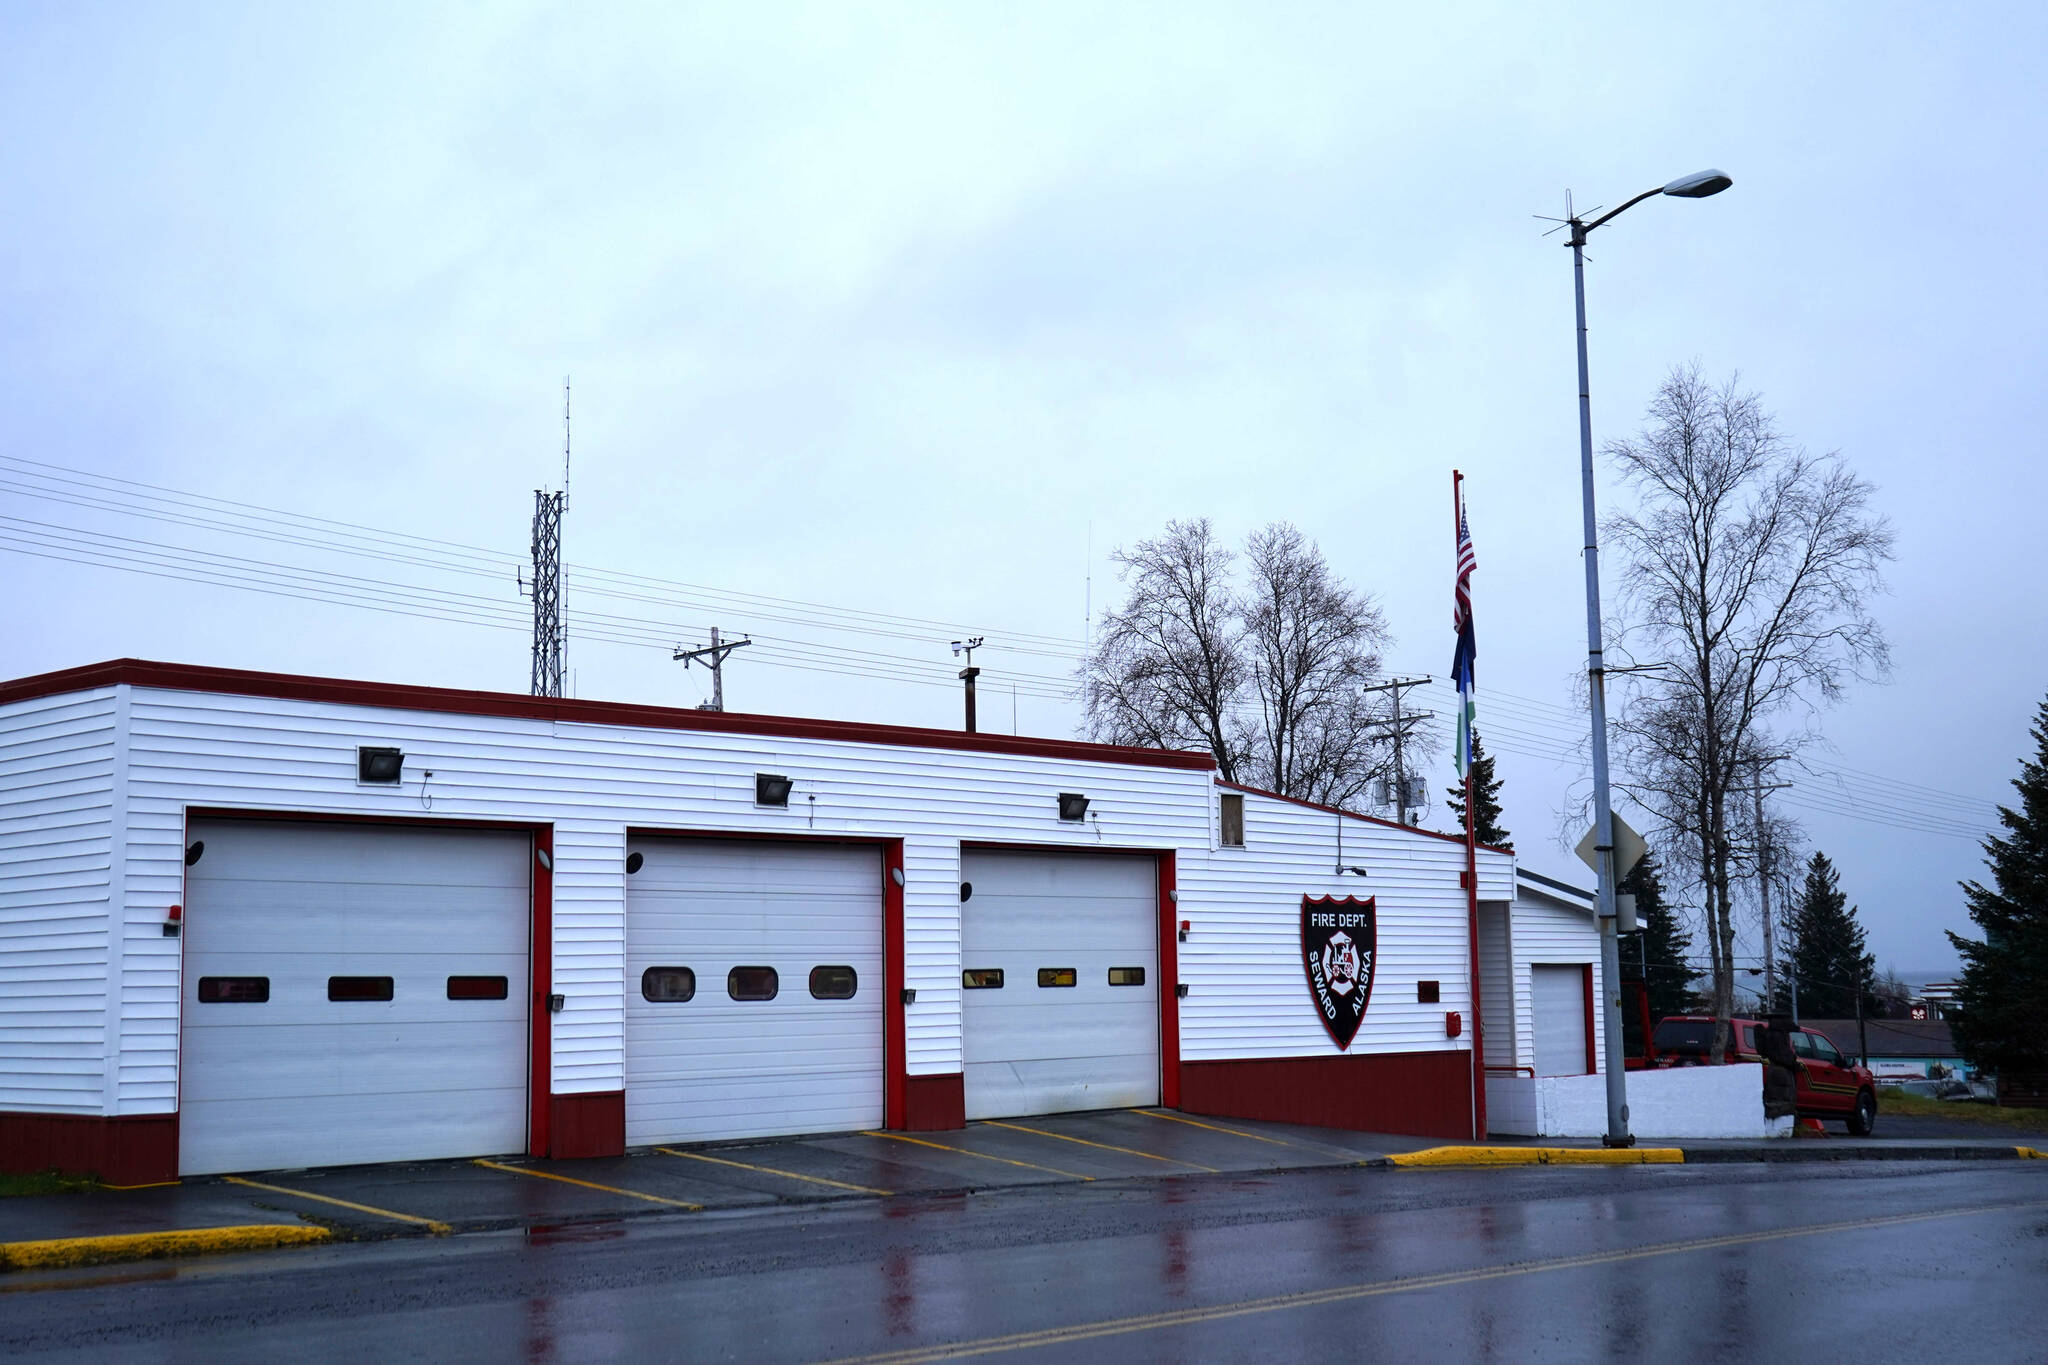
(456, 701)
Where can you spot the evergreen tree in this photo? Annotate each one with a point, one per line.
(2002, 1020)
(1828, 955)
(1486, 792)
(1660, 949)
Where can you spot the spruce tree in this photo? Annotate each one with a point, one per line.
(1828, 955)
(1486, 794)
(1660, 950)
(2001, 1022)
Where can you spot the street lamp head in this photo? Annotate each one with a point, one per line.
(1699, 185)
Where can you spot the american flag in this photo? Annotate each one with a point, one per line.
(1461, 621)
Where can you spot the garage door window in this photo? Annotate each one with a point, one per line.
(752, 983)
(982, 978)
(668, 985)
(1126, 976)
(233, 990)
(476, 988)
(358, 988)
(1057, 976)
(834, 983)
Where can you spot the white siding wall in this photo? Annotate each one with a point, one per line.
(592, 782)
(1496, 983)
(62, 847)
(1242, 962)
(57, 768)
(1547, 931)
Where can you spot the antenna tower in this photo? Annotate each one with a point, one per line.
(550, 626)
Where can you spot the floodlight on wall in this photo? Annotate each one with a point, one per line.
(1073, 806)
(771, 789)
(382, 767)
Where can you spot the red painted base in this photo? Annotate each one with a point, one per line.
(587, 1125)
(934, 1104)
(1422, 1094)
(139, 1149)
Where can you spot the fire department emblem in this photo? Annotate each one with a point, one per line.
(1338, 942)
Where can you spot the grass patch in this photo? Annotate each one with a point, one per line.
(44, 1182)
(1962, 1111)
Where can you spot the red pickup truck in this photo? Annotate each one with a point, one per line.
(1830, 1085)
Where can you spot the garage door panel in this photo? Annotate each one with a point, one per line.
(1558, 1005)
(1031, 1049)
(712, 1067)
(300, 1079)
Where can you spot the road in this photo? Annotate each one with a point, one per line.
(1885, 1261)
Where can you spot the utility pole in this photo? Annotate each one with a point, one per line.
(714, 655)
(969, 673)
(1765, 870)
(1401, 786)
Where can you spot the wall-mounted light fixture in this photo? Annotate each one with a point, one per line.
(1180, 990)
(910, 995)
(771, 789)
(967, 891)
(383, 767)
(194, 851)
(1073, 806)
(896, 875)
(634, 862)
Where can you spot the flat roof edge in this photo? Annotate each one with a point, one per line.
(459, 701)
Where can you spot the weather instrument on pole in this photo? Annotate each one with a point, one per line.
(969, 673)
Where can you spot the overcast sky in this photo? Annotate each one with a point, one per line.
(898, 310)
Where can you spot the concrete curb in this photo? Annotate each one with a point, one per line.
(60, 1252)
(1536, 1156)
(1802, 1151)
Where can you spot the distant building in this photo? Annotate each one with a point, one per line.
(1900, 1049)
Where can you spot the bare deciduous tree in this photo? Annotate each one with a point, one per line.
(1266, 677)
(1749, 566)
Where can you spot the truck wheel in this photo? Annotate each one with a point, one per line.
(1864, 1116)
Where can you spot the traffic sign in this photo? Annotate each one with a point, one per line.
(1629, 848)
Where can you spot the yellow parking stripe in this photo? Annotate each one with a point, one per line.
(437, 1228)
(590, 1185)
(1105, 1146)
(770, 1170)
(947, 1147)
(1358, 1157)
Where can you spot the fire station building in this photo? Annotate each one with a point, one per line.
(251, 921)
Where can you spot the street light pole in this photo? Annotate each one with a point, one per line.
(1692, 187)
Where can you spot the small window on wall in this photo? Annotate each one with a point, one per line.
(233, 990)
(1232, 835)
(1057, 976)
(834, 983)
(982, 978)
(1427, 993)
(359, 988)
(1126, 976)
(752, 983)
(477, 988)
(668, 985)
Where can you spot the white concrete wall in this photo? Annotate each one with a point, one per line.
(1682, 1102)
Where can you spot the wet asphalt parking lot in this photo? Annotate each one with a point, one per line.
(1878, 1261)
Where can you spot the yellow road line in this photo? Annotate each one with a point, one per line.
(145, 1185)
(770, 1170)
(1105, 1146)
(589, 1185)
(58, 1252)
(1540, 1156)
(439, 1229)
(1007, 1161)
(1109, 1327)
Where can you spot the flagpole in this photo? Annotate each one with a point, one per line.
(1471, 877)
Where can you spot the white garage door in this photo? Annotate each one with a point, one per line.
(352, 993)
(1558, 995)
(754, 989)
(1060, 959)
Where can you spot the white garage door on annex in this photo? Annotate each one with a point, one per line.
(754, 989)
(1060, 974)
(352, 993)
